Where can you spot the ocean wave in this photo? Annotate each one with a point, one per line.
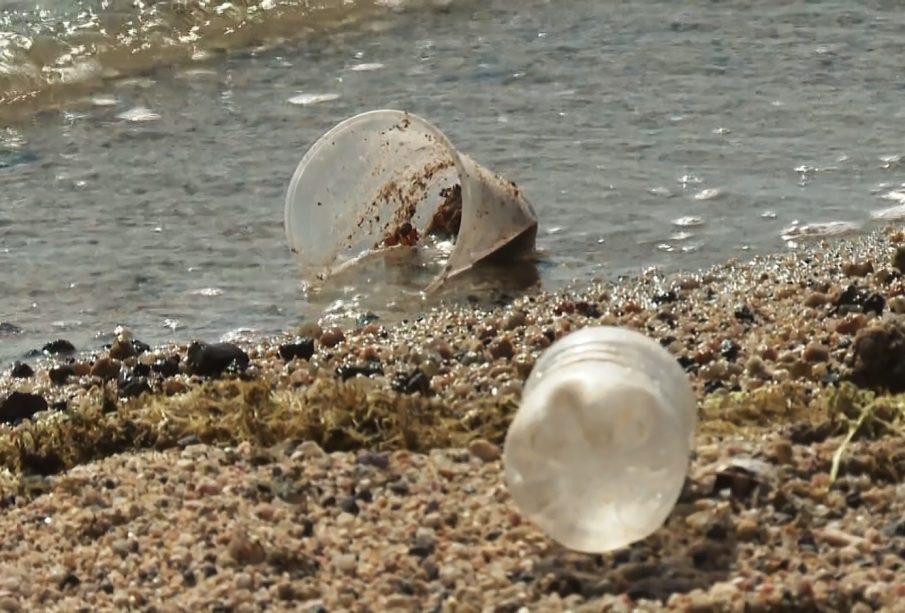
(48, 55)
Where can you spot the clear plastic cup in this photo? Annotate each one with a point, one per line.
(598, 451)
(388, 179)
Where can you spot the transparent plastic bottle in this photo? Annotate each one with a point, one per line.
(598, 451)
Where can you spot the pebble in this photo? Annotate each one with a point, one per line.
(310, 330)
(211, 360)
(310, 450)
(105, 368)
(345, 562)
(484, 450)
(300, 348)
(816, 299)
(58, 347)
(857, 269)
(897, 304)
(898, 259)
(816, 352)
(514, 320)
(122, 349)
(21, 370)
(502, 348)
(21, 405)
(332, 337)
(244, 550)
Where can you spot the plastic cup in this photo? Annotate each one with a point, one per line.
(388, 179)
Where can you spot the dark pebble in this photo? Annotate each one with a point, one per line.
(302, 348)
(185, 441)
(349, 505)
(665, 298)
(898, 259)
(134, 387)
(141, 370)
(712, 386)
(188, 577)
(21, 370)
(140, 347)
(375, 459)
(60, 374)
(8, 329)
(412, 383)
(58, 347)
(875, 303)
(70, 580)
(879, 357)
(168, 367)
(400, 487)
(368, 369)
(744, 313)
(211, 360)
(19, 406)
(729, 349)
(588, 309)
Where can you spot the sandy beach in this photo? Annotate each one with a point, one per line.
(359, 469)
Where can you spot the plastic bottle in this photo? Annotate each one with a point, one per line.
(598, 451)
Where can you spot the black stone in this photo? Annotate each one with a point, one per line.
(713, 386)
(665, 298)
(188, 577)
(368, 369)
(134, 387)
(744, 313)
(874, 303)
(413, 382)
(140, 347)
(8, 329)
(70, 580)
(60, 374)
(168, 367)
(729, 349)
(302, 348)
(349, 505)
(58, 347)
(20, 405)
(21, 370)
(141, 370)
(211, 360)
(375, 459)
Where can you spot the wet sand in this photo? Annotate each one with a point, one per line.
(359, 470)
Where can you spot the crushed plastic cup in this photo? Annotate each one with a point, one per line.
(599, 449)
(387, 180)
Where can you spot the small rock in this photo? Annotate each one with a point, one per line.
(757, 368)
(332, 337)
(172, 387)
(746, 529)
(369, 369)
(211, 360)
(879, 357)
(310, 450)
(897, 304)
(375, 459)
(244, 550)
(349, 505)
(59, 347)
(782, 451)
(167, 367)
(412, 383)
(309, 330)
(851, 323)
(21, 370)
(898, 259)
(9, 329)
(105, 368)
(515, 320)
(744, 313)
(20, 405)
(122, 349)
(857, 269)
(443, 349)
(523, 366)
(816, 352)
(133, 387)
(484, 450)
(60, 374)
(816, 299)
(345, 562)
(366, 319)
(300, 348)
(502, 348)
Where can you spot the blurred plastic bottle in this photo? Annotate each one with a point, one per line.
(599, 449)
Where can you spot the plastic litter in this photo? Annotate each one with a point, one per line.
(598, 451)
(387, 180)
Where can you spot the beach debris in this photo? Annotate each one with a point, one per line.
(598, 451)
(413, 190)
(211, 360)
(21, 405)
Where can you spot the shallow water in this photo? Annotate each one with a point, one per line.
(644, 134)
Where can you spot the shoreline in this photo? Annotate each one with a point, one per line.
(777, 352)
